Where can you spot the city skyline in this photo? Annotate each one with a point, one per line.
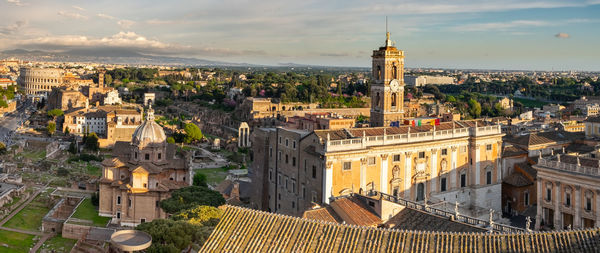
(528, 35)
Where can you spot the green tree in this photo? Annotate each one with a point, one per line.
(73, 147)
(169, 236)
(450, 99)
(474, 108)
(51, 128)
(91, 141)
(108, 79)
(192, 132)
(199, 179)
(200, 215)
(54, 113)
(191, 196)
(171, 140)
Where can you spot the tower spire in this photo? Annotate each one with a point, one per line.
(388, 42)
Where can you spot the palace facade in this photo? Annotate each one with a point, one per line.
(450, 162)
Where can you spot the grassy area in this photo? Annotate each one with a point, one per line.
(15, 242)
(58, 244)
(30, 218)
(87, 211)
(93, 170)
(34, 155)
(213, 176)
(530, 102)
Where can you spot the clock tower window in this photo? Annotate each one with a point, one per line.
(379, 73)
(395, 72)
(393, 99)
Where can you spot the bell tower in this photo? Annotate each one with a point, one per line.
(387, 86)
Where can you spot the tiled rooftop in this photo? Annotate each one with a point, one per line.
(246, 230)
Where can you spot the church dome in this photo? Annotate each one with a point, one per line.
(149, 132)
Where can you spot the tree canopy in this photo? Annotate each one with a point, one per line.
(200, 215)
(191, 196)
(51, 128)
(192, 132)
(170, 236)
(55, 113)
(199, 179)
(91, 141)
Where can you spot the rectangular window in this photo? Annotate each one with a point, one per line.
(293, 204)
(279, 139)
(347, 165)
(526, 198)
(271, 175)
(147, 156)
(421, 154)
(293, 161)
(588, 204)
(488, 177)
(159, 156)
(287, 160)
(548, 194)
(279, 155)
(396, 158)
(303, 191)
(463, 180)
(118, 215)
(270, 152)
(568, 199)
(371, 160)
(142, 220)
(294, 144)
(286, 183)
(129, 203)
(488, 147)
(444, 151)
(293, 185)
(286, 141)
(443, 184)
(314, 171)
(118, 200)
(305, 165)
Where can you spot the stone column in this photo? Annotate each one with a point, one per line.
(384, 174)
(498, 163)
(453, 173)
(557, 212)
(363, 173)
(434, 171)
(477, 169)
(577, 207)
(539, 213)
(407, 174)
(327, 181)
(598, 208)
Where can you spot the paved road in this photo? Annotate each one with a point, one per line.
(10, 122)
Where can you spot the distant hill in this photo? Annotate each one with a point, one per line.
(110, 56)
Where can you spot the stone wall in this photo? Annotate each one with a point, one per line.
(74, 231)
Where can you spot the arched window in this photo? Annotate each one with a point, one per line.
(395, 72)
(393, 99)
(379, 75)
(377, 98)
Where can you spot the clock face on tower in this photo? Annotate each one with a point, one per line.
(394, 85)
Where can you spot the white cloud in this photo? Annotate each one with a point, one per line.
(562, 35)
(78, 8)
(12, 28)
(16, 2)
(120, 40)
(500, 26)
(105, 16)
(72, 15)
(126, 24)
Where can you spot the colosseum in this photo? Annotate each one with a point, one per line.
(39, 80)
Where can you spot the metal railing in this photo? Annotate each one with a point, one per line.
(497, 227)
(568, 167)
(366, 141)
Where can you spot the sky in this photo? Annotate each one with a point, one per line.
(476, 34)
